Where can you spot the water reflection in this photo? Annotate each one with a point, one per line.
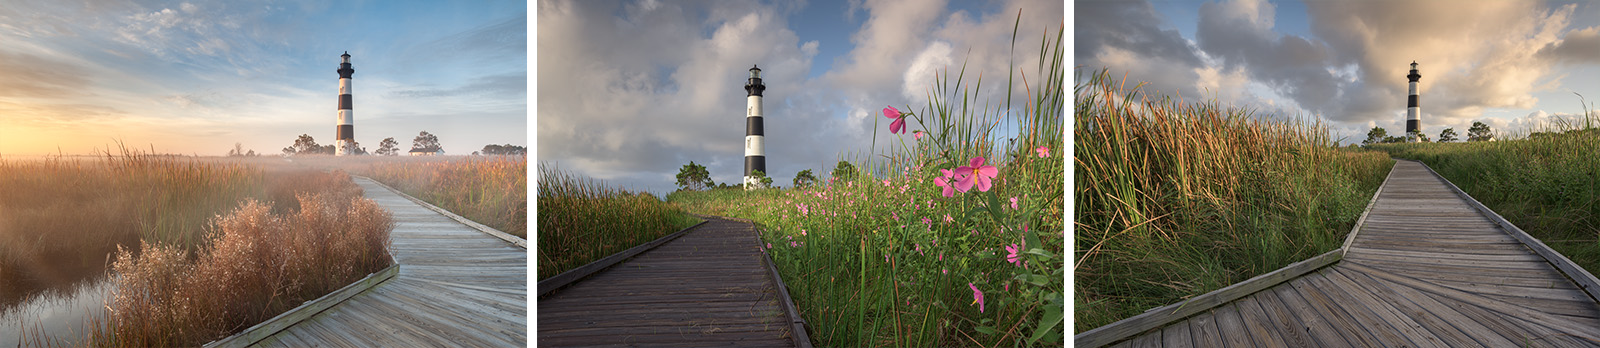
(61, 315)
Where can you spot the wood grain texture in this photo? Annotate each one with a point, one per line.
(1426, 266)
(708, 287)
(457, 286)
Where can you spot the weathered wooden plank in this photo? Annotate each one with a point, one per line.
(1204, 328)
(1585, 280)
(1161, 316)
(1381, 306)
(565, 278)
(1289, 327)
(1360, 221)
(710, 286)
(1177, 336)
(1333, 313)
(1319, 329)
(1256, 321)
(1524, 313)
(1234, 333)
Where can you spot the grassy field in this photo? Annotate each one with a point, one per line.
(582, 220)
(491, 190)
(1175, 200)
(195, 252)
(1547, 185)
(953, 238)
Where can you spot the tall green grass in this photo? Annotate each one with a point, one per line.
(1549, 185)
(1174, 200)
(582, 220)
(886, 259)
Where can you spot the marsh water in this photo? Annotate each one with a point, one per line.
(61, 315)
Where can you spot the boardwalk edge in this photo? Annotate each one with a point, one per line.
(1351, 238)
(306, 310)
(518, 241)
(573, 275)
(1160, 316)
(1582, 277)
(797, 330)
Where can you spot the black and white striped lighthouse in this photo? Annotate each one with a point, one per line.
(755, 157)
(1413, 113)
(345, 143)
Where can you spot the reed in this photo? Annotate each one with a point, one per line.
(1175, 199)
(192, 251)
(491, 190)
(254, 265)
(582, 220)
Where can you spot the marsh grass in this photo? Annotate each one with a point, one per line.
(1174, 199)
(886, 259)
(582, 220)
(491, 190)
(1547, 184)
(60, 219)
(192, 252)
(256, 265)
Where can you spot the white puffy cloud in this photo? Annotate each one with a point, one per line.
(631, 91)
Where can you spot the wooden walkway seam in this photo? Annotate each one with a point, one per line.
(1426, 266)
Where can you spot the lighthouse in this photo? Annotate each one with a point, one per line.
(1413, 113)
(755, 157)
(345, 143)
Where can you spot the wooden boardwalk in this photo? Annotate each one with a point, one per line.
(457, 287)
(1425, 269)
(707, 288)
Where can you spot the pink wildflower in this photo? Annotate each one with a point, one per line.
(948, 219)
(977, 296)
(948, 182)
(769, 245)
(1014, 254)
(1043, 151)
(885, 182)
(1013, 203)
(899, 124)
(918, 134)
(793, 244)
(976, 174)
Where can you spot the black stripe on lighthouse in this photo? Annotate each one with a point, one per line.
(755, 155)
(344, 125)
(1413, 112)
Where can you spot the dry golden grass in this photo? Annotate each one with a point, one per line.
(197, 249)
(257, 264)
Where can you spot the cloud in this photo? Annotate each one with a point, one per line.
(1578, 46)
(632, 90)
(28, 75)
(512, 85)
(1127, 37)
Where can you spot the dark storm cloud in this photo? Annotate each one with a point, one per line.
(1240, 35)
(1127, 37)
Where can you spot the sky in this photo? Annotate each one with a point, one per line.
(1513, 65)
(630, 91)
(196, 77)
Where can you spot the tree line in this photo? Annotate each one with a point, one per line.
(1478, 132)
(305, 144)
(695, 177)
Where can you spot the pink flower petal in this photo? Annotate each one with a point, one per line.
(891, 112)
